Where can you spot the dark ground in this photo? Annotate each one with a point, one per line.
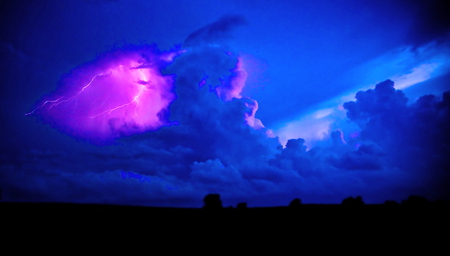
(311, 217)
(329, 228)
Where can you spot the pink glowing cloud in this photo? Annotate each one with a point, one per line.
(123, 93)
(119, 94)
(232, 87)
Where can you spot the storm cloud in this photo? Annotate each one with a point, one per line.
(213, 140)
(401, 150)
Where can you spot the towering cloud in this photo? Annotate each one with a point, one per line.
(202, 137)
(413, 137)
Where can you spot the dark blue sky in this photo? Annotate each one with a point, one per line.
(304, 61)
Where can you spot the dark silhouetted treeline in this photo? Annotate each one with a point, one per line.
(352, 215)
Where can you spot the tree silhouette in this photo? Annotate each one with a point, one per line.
(353, 201)
(415, 201)
(295, 204)
(212, 201)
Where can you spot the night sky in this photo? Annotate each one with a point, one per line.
(159, 103)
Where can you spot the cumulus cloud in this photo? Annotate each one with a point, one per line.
(219, 146)
(401, 150)
(413, 137)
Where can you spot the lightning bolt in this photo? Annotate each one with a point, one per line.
(43, 104)
(141, 82)
(119, 94)
(59, 101)
(135, 100)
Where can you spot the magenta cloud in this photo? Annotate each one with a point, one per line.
(123, 92)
